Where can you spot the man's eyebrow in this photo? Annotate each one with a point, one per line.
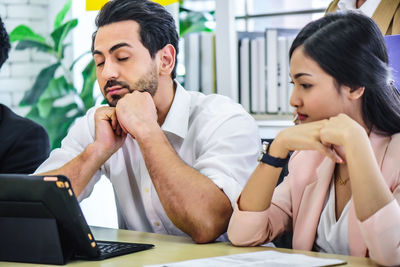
(298, 75)
(97, 52)
(112, 49)
(117, 46)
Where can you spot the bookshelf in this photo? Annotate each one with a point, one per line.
(227, 56)
(226, 43)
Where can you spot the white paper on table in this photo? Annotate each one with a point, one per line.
(256, 259)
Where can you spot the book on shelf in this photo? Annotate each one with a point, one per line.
(263, 70)
(254, 95)
(244, 73)
(207, 61)
(283, 79)
(285, 88)
(200, 68)
(248, 77)
(192, 61)
(262, 89)
(263, 76)
(271, 37)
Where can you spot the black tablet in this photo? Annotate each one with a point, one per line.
(41, 222)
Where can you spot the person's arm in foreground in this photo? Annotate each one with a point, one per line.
(376, 207)
(191, 200)
(369, 190)
(108, 138)
(257, 194)
(255, 199)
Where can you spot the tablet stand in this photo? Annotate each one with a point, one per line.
(34, 240)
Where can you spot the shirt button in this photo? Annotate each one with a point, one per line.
(157, 224)
(146, 190)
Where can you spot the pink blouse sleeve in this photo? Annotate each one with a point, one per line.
(250, 228)
(381, 233)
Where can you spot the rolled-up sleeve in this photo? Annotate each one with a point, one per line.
(79, 136)
(227, 151)
(381, 233)
(252, 228)
(248, 228)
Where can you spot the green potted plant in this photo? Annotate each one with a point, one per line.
(46, 96)
(193, 21)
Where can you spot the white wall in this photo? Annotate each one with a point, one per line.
(18, 73)
(99, 208)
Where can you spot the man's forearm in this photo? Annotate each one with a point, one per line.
(82, 168)
(191, 200)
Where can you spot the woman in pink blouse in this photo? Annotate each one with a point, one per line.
(342, 193)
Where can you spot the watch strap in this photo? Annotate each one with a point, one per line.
(272, 161)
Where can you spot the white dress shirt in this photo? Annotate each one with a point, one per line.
(211, 133)
(368, 8)
(332, 236)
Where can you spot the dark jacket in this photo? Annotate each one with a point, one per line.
(24, 145)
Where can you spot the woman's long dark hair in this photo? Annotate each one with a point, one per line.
(350, 47)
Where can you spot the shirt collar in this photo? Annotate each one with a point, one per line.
(177, 119)
(368, 8)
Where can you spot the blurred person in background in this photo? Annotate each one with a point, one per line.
(385, 13)
(24, 144)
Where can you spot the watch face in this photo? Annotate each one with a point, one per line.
(265, 145)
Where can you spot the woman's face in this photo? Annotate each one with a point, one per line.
(315, 96)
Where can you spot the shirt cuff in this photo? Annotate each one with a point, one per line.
(381, 234)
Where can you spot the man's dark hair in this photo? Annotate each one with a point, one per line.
(4, 43)
(350, 47)
(157, 26)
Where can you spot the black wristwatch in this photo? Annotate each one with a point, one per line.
(270, 160)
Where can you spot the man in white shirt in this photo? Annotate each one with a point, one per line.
(177, 159)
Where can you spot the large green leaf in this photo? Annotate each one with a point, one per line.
(61, 15)
(60, 33)
(58, 88)
(26, 44)
(23, 32)
(196, 27)
(62, 131)
(47, 89)
(59, 117)
(58, 123)
(89, 78)
(42, 81)
(64, 46)
(193, 21)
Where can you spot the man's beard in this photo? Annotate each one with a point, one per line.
(147, 83)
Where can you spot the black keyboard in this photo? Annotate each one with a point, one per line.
(111, 249)
(108, 249)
